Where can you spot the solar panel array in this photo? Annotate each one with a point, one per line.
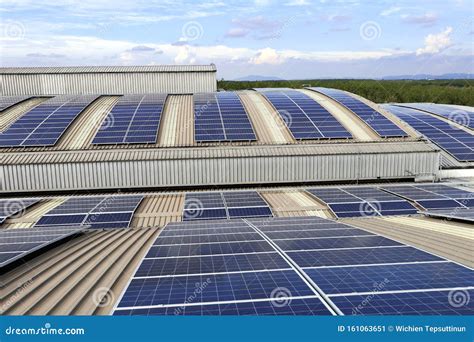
(14, 206)
(376, 120)
(94, 212)
(292, 266)
(434, 196)
(466, 214)
(362, 201)
(8, 101)
(46, 123)
(224, 205)
(17, 243)
(463, 116)
(457, 142)
(134, 119)
(221, 117)
(304, 117)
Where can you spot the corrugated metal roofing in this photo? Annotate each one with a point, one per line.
(108, 69)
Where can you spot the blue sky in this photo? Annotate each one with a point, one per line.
(288, 39)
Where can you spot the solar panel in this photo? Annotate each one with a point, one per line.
(8, 101)
(219, 271)
(434, 196)
(134, 119)
(221, 117)
(456, 214)
(454, 141)
(293, 307)
(18, 243)
(374, 119)
(405, 303)
(94, 212)
(45, 124)
(14, 206)
(463, 116)
(304, 117)
(362, 201)
(221, 205)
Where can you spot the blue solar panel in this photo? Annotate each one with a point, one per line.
(462, 116)
(315, 233)
(96, 212)
(374, 119)
(458, 143)
(197, 239)
(210, 249)
(221, 117)
(134, 119)
(292, 307)
(458, 214)
(217, 288)
(221, 205)
(8, 101)
(18, 243)
(206, 231)
(15, 206)
(410, 303)
(46, 123)
(393, 277)
(433, 196)
(360, 256)
(211, 264)
(335, 243)
(304, 117)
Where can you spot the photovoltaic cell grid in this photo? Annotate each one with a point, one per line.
(304, 117)
(239, 277)
(17, 243)
(95, 212)
(457, 214)
(434, 196)
(348, 269)
(455, 141)
(14, 206)
(222, 205)
(221, 117)
(376, 120)
(45, 124)
(134, 119)
(463, 116)
(8, 101)
(218, 281)
(363, 201)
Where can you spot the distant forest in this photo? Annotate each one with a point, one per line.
(458, 91)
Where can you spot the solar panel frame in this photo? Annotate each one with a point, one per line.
(10, 101)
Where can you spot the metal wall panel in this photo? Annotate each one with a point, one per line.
(200, 171)
(108, 83)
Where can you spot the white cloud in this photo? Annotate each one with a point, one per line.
(427, 19)
(268, 56)
(390, 11)
(298, 3)
(435, 43)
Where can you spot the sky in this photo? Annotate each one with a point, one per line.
(289, 39)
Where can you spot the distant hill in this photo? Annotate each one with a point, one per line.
(251, 78)
(430, 77)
